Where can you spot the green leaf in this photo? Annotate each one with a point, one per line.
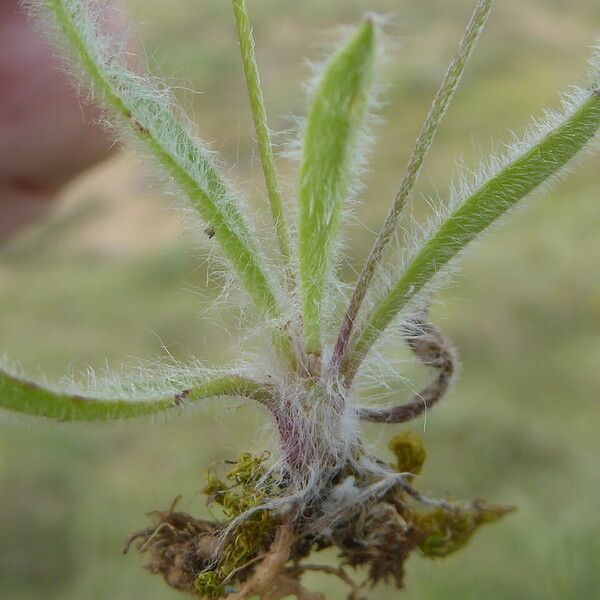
(259, 117)
(148, 111)
(434, 118)
(331, 142)
(28, 398)
(535, 165)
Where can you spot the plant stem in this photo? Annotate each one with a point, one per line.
(263, 138)
(426, 137)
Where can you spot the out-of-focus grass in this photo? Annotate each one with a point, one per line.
(110, 278)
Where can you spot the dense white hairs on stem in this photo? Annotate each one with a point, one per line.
(136, 381)
(142, 379)
(318, 442)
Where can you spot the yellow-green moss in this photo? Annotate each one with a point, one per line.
(409, 451)
(450, 529)
(248, 486)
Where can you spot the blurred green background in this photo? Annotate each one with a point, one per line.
(114, 275)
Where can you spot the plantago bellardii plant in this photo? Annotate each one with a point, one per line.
(324, 488)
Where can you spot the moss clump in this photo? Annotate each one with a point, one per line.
(247, 486)
(212, 559)
(450, 529)
(207, 584)
(409, 451)
(204, 558)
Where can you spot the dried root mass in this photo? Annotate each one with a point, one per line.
(265, 553)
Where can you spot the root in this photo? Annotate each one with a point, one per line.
(180, 547)
(356, 590)
(263, 578)
(288, 585)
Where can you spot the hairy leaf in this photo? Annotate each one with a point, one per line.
(521, 176)
(331, 141)
(148, 110)
(424, 142)
(28, 398)
(259, 117)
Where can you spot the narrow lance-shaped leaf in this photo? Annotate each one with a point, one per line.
(424, 142)
(331, 141)
(478, 211)
(28, 398)
(148, 111)
(263, 137)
